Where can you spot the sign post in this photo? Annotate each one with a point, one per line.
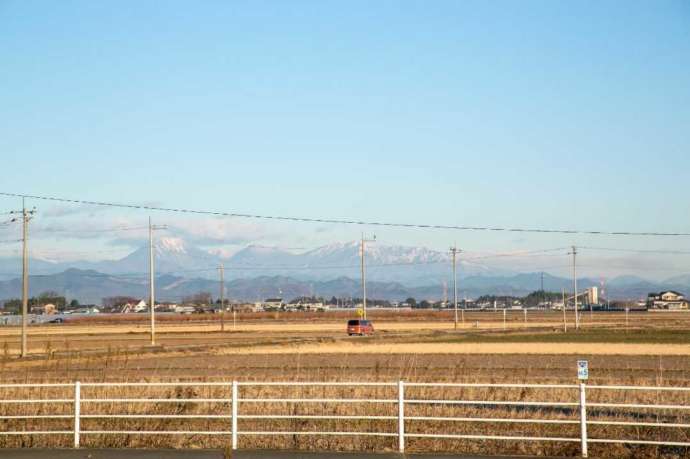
(582, 376)
(582, 370)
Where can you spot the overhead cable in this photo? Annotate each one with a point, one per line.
(346, 221)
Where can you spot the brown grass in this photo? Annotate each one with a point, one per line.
(325, 355)
(471, 348)
(351, 443)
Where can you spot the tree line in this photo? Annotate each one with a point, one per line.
(14, 305)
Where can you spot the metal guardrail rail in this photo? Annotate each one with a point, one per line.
(234, 401)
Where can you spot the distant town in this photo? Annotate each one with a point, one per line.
(51, 303)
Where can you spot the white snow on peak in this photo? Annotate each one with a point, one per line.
(171, 245)
(334, 248)
(381, 252)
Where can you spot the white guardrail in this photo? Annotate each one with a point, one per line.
(578, 408)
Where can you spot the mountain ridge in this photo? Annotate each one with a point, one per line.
(90, 286)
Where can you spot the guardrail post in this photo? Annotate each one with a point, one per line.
(234, 415)
(583, 420)
(77, 409)
(401, 416)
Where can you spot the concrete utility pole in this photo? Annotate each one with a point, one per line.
(26, 217)
(364, 274)
(221, 269)
(454, 251)
(565, 321)
(577, 315)
(152, 286)
(542, 281)
(543, 293)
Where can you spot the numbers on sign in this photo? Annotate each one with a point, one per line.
(582, 369)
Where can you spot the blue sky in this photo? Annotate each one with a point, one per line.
(534, 114)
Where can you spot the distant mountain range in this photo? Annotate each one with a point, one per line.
(255, 273)
(89, 286)
(414, 266)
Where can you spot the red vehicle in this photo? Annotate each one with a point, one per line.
(360, 327)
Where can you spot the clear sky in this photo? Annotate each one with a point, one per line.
(521, 113)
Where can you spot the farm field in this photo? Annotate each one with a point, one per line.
(653, 350)
(113, 332)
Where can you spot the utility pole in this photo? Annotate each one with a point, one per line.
(152, 286)
(565, 322)
(577, 315)
(364, 274)
(27, 215)
(542, 281)
(454, 251)
(222, 303)
(543, 293)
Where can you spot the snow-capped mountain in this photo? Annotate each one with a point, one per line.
(390, 263)
(171, 255)
(410, 265)
(255, 272)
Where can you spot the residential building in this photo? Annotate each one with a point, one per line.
(141, 306)
(46, 309)
(272, 304)
(669, 299)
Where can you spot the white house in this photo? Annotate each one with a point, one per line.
(141, 306)
(667, 300)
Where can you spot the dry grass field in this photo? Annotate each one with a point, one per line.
(653, 349)
(130, 331)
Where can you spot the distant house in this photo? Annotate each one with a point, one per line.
(272, 304)
(128, 308)
(244, 307)
(166, 307)
(182, 309)
(46, 309)
(307, 306)
(669, 299)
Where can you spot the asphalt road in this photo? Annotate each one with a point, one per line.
(30, 453)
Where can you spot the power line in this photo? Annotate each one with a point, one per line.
(9, 222)
(101, 230)
(346, 221)
(67, 253)
(654, 251)
(527, 253)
